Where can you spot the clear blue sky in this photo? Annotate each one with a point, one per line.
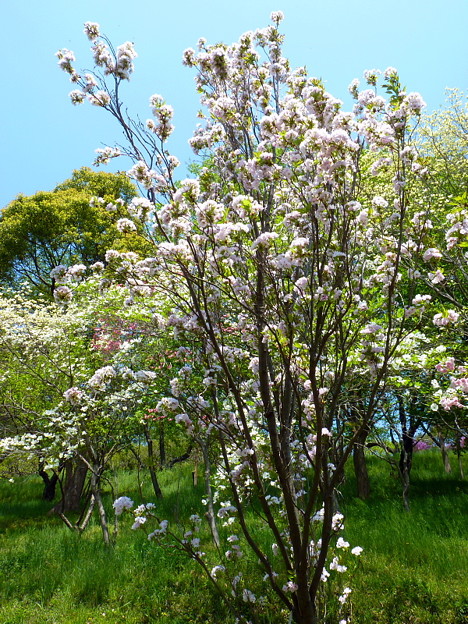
(43, 137)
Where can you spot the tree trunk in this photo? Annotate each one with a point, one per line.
(405, 464)
(210, 514)
(360, 466)
(182, 457)
(407, 443)
(306, 615)
(162, 446)
(152, 469)
(445, 457)
(460, 458)
(96, 491)
(50, 484)
(72, 490)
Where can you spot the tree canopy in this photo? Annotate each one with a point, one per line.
(62, 227)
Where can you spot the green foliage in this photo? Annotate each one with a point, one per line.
(50, 228)
(110, 186)
(443, 137)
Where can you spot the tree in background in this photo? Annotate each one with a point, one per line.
(44, 351)
(443, 221)
(438, 206)
(63, 227)
(443, 141)
(68, 398)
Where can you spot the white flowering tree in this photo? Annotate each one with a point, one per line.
(288, 285)
(44, 350)
(440, 217)
(445, 273)
(69, 400)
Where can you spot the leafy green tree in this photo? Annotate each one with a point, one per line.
(438, 207)
(439, 196)
(443, 137)
(63, 226)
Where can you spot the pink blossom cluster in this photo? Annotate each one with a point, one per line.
(269, 262)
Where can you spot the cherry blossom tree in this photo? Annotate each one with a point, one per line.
(291, 289)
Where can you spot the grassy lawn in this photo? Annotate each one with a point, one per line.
(414, 568)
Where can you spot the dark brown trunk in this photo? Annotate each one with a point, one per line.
(405, 464)
(50, 485)
(151, 464)
(409, 425)
(305, 615)
(182, 457)
(360, 467)
(72, 490)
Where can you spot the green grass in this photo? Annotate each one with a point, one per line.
(414, 568)
(49, 574)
